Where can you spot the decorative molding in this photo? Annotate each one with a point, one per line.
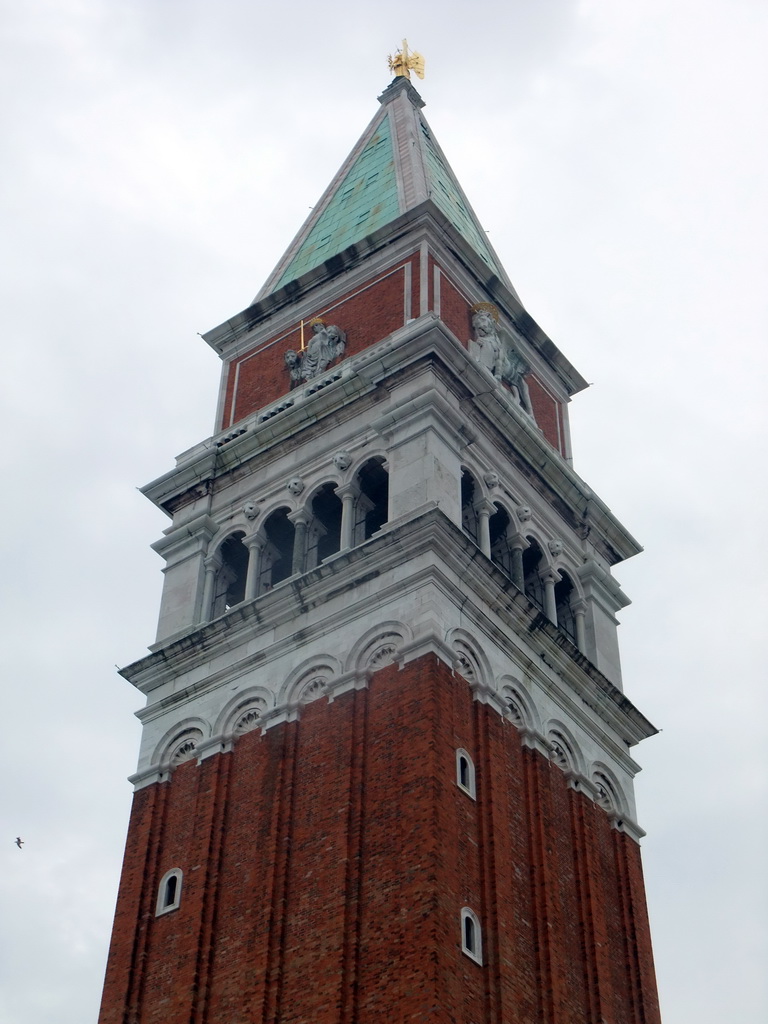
(251, 510)
(384, 655)
(558, 754)
(250, 717)
(185, 747)
(312, 690)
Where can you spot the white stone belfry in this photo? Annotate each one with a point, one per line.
(403, 488)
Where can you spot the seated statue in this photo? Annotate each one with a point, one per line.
(485, 347)
(498, 356)
(326, 344)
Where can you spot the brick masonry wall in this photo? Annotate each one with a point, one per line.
(367, 314)
(326, 864)
(455, 310)
(547, 412)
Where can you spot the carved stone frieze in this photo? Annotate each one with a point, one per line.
(250, 717)
(185, 747)
(465, 667)
(251, 510)
(383, 656)
(515, 714)
(558, 754)
(312, 689)
(385, 652)
(342, 460)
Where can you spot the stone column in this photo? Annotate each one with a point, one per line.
(548, 578)
(349, 494)
(212, 566)
(300, 520)
(484, 508)
(579, 615)
(255, 544)
(517, 546)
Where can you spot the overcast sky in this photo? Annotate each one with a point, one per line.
(159, 156)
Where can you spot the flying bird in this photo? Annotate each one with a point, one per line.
(19, 842)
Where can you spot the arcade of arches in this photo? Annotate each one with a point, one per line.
(333, 519)
(521, 558)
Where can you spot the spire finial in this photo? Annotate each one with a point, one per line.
(403, 63)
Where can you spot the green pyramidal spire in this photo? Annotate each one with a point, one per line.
(395, 166)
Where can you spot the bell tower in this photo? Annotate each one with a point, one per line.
(385, 770)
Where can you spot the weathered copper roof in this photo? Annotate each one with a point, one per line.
(396, 165)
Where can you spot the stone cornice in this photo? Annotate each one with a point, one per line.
(186, 539)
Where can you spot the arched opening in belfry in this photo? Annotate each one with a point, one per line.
(229, 588)
(532, 565)
(324, 537)
(469, 494)
(372, 508)
(564, 595)
(498, 525)
(277, 559)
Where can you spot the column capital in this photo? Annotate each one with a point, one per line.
(485, 507)
(350, 490)
(517, 540)
(301, 517)
(256, 540)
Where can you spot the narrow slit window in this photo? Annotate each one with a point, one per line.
(471, 937)
(169, 898)
(469, 934)
(169, 892)
(465, 773)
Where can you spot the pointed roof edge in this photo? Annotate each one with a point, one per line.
(319, 207)
(498, 265)
(395, 88)
(417, 170)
